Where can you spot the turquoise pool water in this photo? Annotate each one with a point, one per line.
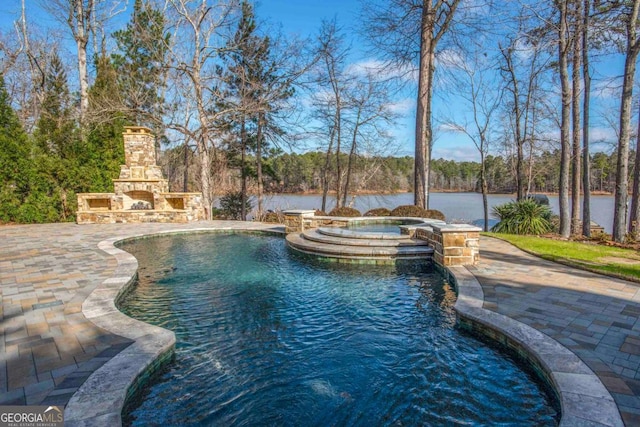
(380, 226)
(376, 228)
(268, 338)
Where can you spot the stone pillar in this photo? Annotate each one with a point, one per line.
(294, 220)
(453, 244)
(139, 146)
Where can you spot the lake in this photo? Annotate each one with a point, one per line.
(457, 207)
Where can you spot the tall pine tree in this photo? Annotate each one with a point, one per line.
(15, 153)
(140, 62)
(253, 87)
(54, 132)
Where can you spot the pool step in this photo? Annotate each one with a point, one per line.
(321, 236)
(343, 249)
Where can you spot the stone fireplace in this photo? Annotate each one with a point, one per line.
(141, 194)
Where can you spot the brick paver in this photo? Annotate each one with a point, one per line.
(48, 348)
(594, 316)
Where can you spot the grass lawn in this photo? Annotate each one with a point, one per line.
(612, 261)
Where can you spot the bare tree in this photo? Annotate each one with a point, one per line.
(475, 82)
(586, 100)
(565, 157)
(369, 104)
(85, 19)
(77, 15)
(200, 32)
(408, 31)
(522, 77)
(634, 224)
(576, 172)
(629, 15)
(329, 101)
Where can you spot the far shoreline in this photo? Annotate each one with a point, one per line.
(369, 193)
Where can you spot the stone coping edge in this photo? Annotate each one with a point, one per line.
(102, 397)
(583, 399)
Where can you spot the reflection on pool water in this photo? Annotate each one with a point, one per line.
(380, 226)
(268, 338)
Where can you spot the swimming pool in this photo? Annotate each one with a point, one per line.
(267, 337)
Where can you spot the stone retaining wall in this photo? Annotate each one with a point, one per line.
(115, 217)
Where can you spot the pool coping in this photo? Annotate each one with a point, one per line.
(583, 398)
(101, 399)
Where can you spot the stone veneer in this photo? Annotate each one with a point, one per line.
(453, 244)
(140, 184)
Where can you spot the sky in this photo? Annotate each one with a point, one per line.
(304, 17)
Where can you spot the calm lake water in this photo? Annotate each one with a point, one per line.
(457, 207)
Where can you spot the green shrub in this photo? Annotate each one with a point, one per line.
(216, 213)
(231, 205)
(522, 217)
(345, 211)
(378, 212)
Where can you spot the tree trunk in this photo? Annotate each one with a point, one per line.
(259, 137)
(575, 109)
(565, 159)
(634, 225)
(423, 109)
(520, 185)
(352, 153)
(185, 176)
(243, 167)
(325, 172)
(586, 160)
(622, 186)
(485, 191)
(205, 177)
(338, 163)
(82, 40)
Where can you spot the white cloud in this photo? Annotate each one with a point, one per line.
(403, 106)
(450, 58)
(449, 127)
(365, 66)
(606, 134)
(382, 70)
(457, 153)
(608, 88)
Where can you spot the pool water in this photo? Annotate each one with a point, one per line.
(381, 226)
(376, 228)
(265, 337)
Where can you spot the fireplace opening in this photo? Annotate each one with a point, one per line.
(138, 200)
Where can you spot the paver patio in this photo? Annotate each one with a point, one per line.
(594, 316)
(48, 347)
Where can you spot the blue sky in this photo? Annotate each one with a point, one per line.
(303, 18)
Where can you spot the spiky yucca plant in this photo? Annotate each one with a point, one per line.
(522, 217)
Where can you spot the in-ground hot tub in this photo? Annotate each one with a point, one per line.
(381, 225)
